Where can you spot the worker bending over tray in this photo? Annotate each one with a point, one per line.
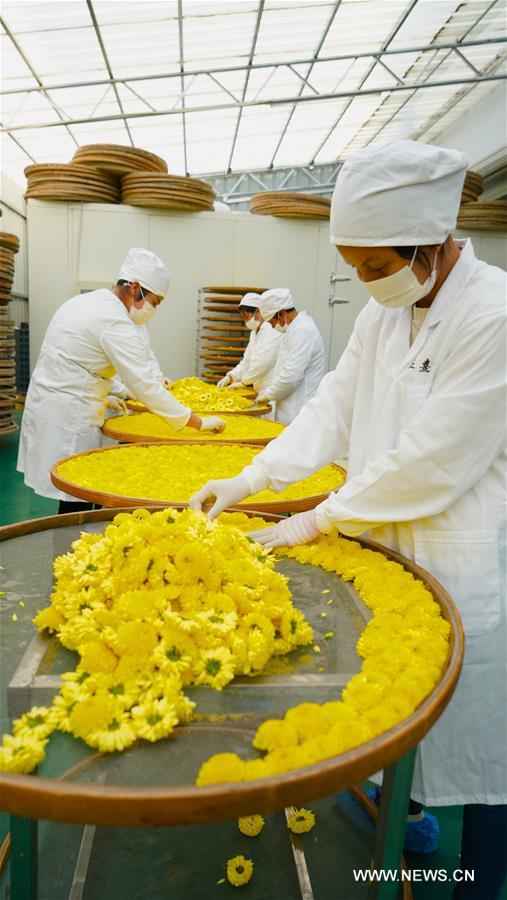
(90, 338)
(261, 352)
(417, 403)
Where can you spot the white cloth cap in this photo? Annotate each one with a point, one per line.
(250, 299)
(274, 301)
(404, 194)
(146, 268)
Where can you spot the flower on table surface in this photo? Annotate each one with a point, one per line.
(239, 870)
(301, 820)
(251, 826)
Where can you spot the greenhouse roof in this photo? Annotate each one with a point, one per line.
(218, 87)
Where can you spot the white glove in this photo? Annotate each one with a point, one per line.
(235, 385)
(212, 423)
(298, 529)
(262, 398)
(117, 404)
(167, 382)
(226, 491)
(224, 381)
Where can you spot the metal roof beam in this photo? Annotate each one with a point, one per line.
(395, 51)
(41, 87)
(260, 10)
(107, 65)
(281, 101)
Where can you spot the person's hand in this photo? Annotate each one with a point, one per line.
(234, 385)
(117, 404)
(212, 423)
(298, 529)
(167, 383)
(224, 381)
(262, 398)
(225, 491)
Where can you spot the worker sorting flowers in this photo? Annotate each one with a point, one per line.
(90, 338)
(300, 364)
(417, 403)
(261, 352)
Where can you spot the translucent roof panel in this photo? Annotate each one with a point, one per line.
(216, 86)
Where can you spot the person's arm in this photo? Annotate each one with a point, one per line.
(297, 352)
(445, 449)
(118, 389)
(263, 357)
(128, 355)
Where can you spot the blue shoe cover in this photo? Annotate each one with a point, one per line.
(420, 836)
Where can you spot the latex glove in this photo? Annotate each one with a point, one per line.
(262, 398)
(226, 491)
(298, 529)
(117, 404)
(224, 381)
(212, 423)
(167, 382)
(235, 385)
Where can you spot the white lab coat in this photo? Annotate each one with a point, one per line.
(423, 427)
(259, 358)
(299, 369)
(89, 339)
(118, 389)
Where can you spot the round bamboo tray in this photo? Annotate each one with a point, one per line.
(488, 216)
(118, 159)
(289, 204)
(74, 800)
(103, 498)
(212, 338)
(252, 411)
(71, 182)
(221, 289)
(167, 192)
(240, 328)
(9, 241)
(130, 438)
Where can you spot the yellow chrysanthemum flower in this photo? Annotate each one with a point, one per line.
(239, 870)
(251, 826)
(301, 820)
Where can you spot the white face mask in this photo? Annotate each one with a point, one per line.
(281, 328)
(252, 324)
(403, 288)
(143, 315)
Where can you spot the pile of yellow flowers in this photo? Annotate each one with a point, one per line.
(155, 603)
(404, 648)
(203, 398)
(174, 473)
(147, 426)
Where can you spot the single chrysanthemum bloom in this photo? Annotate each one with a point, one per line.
(251, 826)
(154, 719)
(301, 820)
(216, 668)
(239, 870)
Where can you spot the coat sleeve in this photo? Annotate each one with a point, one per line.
(320, 432)
(297, 354)
(237, 372)
(263, 356)
(127, 353)
(118, 389)
(448, 445)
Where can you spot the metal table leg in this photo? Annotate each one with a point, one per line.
(23, 858)
(391, 823)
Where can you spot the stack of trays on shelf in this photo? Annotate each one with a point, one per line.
(9, 245)
(486, 216)
(69, 181)
(290, 205)
(167, 192)
(110, 173)
(472, 188)
(223, 337)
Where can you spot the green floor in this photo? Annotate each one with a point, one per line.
(161, 863)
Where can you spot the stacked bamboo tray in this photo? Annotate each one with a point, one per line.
(9, 246)
(290, 205)
(110, 173)
(474, 213)
(222, 335)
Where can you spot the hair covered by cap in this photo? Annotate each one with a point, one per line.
(403, 194)
(250, 299)
(146, 268)
(273, 301)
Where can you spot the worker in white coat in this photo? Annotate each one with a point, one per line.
(261, 353)
(417, 403)
(90, 338)
(301, 363)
